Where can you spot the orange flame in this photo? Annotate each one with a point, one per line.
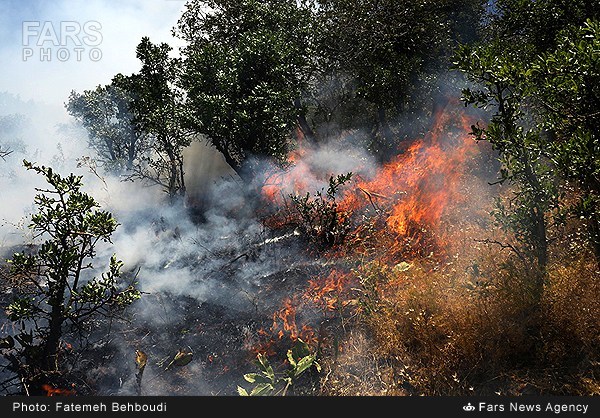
(410, 194)
(415, 188)
(287, 315)
(51, 391)
(328, 292)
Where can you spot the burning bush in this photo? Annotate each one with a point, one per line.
(320, 216)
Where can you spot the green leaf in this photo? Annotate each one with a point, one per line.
(265, 366)
(258, 378)
(291, 358)
(304, 364)
(300, 349)
(262, 389)
(251, 377)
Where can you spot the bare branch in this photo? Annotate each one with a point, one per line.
(5, 153)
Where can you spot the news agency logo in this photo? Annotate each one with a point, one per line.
(61, 41)
(468, 407)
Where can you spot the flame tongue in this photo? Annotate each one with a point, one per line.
(398, 210)
(415, 188)
(429, 175)
(412, 191)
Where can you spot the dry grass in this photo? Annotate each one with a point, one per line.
(472, 325)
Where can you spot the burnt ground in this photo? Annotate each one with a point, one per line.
(223, 340)
(222, 336)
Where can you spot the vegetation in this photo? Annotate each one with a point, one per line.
(515, 73)
(245, 66)
(53, 290)
(156, 108)
(135, 124)
(412, 286)
(319, 216)
(270, 383)
(386, 58)
(105, 113)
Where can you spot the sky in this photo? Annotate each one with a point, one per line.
(49, 48)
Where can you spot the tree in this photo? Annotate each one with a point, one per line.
(245, 66)
(5, 152)
(54, 284)
(157, 108)
(534, 26)
(497, 74)
(564, 82)
(105, 113)
(392, 53)
(11, 129)
(537, 66)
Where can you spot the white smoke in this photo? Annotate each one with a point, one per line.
(222, 267)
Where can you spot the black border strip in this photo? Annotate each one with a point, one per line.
(411, 406)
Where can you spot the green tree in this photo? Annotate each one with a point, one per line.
(498, 74)
(245, 66)
(534, 26)
(391, 54)
(565, 85)
(54, 284)
(157, 109)
(105, 113)
(536, 68)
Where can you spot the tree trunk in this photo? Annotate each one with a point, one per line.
(57, 318)
(111, 149)
(131, 150)
(181, 172)
(541, 239)
(49, 361)
(174, 180)
(384, 137)
(307, 131)
(595, 237)
(538, 231)
(594, 219)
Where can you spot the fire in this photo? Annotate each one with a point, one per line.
(287, 315)
(283, 328)
(397, 209)
(279, 183)
(51, 391)
(415, 188)
(412, 191)
(328, 291)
